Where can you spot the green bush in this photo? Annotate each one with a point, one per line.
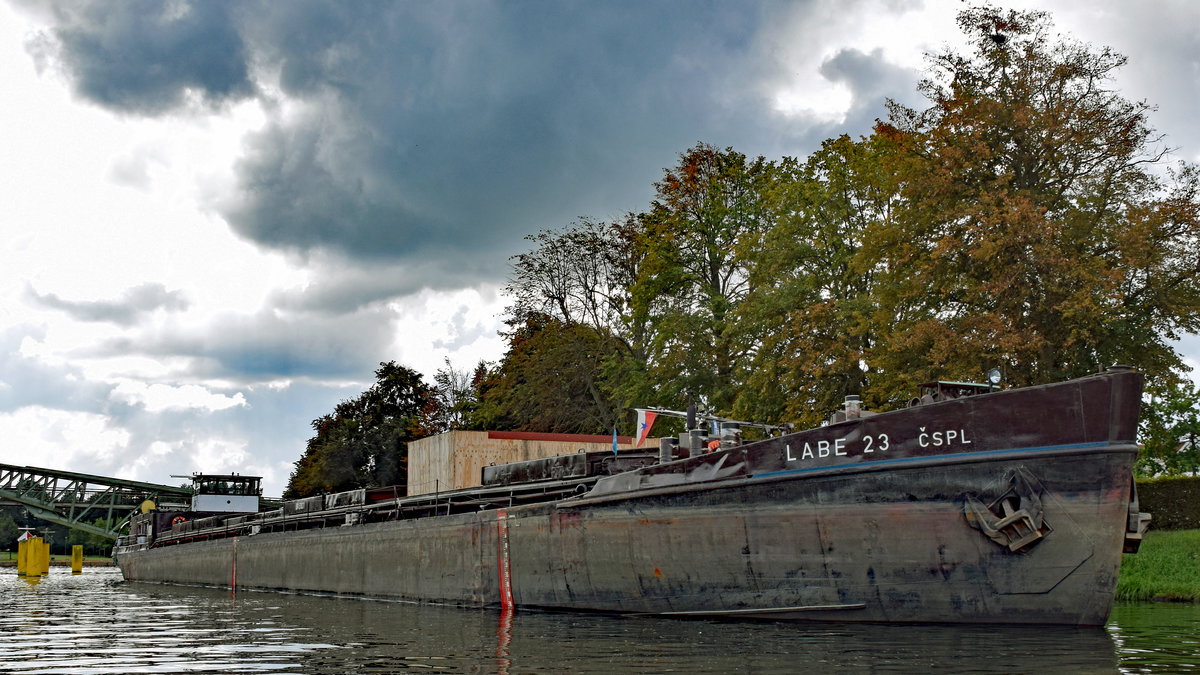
(1174, 502)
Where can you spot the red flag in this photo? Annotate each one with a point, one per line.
(645, 420)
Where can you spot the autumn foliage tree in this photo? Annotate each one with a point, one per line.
(708, 210)
(1026, 218)
(577, 348)
(643, 307)
(1038, 228)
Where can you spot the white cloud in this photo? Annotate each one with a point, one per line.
(42, 436)
(807, 35)
(460, 325)
(160, 397)
(215, 454)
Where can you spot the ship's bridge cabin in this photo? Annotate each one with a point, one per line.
(228, 494)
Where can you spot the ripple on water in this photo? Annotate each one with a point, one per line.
(96, 623)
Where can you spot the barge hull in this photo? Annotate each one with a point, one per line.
(889, 546)
(1009, 507)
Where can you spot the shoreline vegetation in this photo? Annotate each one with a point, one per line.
(1165, 569)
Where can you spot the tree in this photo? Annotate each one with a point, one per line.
(93, 544)
(1038, 230)
(694, 275)
(552, 379)
(580, 274)
(364, 442)
(454, 398)
(1170, 432)
(814, 288)
(9, 531)
(576, 284)
(1026, 219)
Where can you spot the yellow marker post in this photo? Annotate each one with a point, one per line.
(34, 564)
(37, 557)
(22, 557)
(77, 559)
(33, 557)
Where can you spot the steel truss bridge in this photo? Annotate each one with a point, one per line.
(95, 504)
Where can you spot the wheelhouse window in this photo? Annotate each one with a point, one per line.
(239, 486)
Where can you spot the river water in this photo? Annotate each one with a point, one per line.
(97, 623)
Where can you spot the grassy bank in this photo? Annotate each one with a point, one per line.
(1166, 568)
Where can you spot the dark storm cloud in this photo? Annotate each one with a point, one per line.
(462, 127)
(147, 56)
(435, 135)
(268, 346)
(340, 285)
(434, 132)
(135, 303)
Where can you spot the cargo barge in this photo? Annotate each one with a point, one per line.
(969, 505)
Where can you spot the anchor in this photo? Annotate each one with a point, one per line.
(1015, 519)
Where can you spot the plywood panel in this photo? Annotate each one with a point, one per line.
(456, 459)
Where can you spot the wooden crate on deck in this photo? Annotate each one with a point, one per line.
(456, 459)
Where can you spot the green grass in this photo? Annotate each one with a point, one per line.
(1167, 567)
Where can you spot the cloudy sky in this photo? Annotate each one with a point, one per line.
(217, 218)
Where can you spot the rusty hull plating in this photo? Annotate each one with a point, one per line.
(1006, 507)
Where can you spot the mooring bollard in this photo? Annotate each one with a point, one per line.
(77, 559)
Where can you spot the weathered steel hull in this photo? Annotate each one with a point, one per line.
(886, 546)
(895, 535)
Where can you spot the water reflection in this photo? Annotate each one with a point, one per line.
(95, 623)
(1157, 637)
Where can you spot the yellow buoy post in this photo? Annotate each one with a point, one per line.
(22, 556)
(76, 558)
(45, 557)
(33, 556)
